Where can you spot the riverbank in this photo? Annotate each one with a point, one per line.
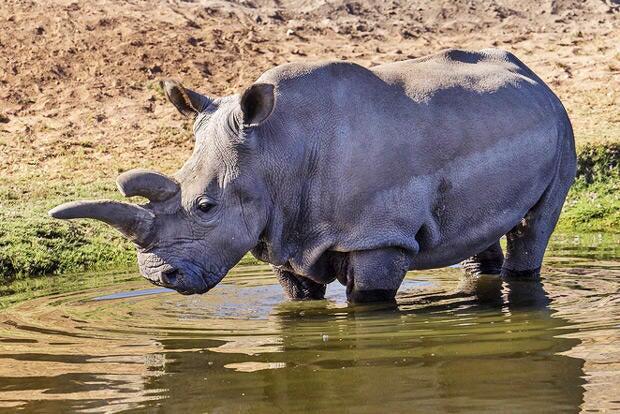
(33, 245)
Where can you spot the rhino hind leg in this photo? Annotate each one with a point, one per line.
(298, 287)
(527, 241)
(488, 262)
(375, 275)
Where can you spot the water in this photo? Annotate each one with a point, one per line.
(451, 345)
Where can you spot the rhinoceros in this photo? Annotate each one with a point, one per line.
(331, 170)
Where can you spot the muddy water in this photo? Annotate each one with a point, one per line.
(450, 345)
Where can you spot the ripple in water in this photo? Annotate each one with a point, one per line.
(451, 344)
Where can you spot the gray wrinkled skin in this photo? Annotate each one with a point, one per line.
(334, 171)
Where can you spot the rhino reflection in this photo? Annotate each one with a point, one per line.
(514, 293)
(429, 356)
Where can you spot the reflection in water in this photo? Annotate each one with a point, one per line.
(420, 355)
(451, 344)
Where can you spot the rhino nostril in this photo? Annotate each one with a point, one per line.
(169, 277)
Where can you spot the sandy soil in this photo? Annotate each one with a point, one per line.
(78, 80)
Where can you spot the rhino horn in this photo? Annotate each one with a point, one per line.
(133, 221)
(152, 185)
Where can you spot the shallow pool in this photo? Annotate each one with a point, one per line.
(451, 344)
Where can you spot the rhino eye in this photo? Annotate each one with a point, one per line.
(205, 205)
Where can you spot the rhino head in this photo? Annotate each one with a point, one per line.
(199, 222)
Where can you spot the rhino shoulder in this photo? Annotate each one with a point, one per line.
(469, 57)
(480, 71)
(320, 71)
(476, 56)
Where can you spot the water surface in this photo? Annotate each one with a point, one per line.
(450, 345)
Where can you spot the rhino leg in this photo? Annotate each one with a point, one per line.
(297, 287)
(488, 262)
(481, 278)
(527, 241)
(375, 275)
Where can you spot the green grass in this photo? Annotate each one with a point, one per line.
(37, 246)
(32, 245)
(593, 203)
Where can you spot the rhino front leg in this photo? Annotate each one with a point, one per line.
(375, 275)
(297, 287)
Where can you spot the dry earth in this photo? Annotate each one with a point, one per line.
(79, 98)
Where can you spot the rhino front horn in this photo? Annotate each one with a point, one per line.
(134, 222)
(149, 184)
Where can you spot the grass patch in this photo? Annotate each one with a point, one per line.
(36, 246)
(33, 245)
(593, 203)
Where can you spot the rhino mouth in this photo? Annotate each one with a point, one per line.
(188, 283)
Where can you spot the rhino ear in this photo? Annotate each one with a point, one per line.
(257, 103)
(188, 102)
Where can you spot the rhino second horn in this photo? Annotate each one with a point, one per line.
(134, 222)
(152, 185)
